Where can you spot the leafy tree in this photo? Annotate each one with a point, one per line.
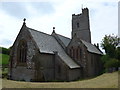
(105, 58)
(109, 44)
(118, 53)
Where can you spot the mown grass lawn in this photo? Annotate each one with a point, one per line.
(4, 59)
(107, 80)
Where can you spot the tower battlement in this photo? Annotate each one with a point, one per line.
(85, 10)
(77, 14)
(85, 13)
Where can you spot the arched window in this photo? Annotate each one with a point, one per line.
(22, 51)
(77, 53)
(80, 53)
(73, 53)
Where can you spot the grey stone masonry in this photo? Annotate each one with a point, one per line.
(80, 25)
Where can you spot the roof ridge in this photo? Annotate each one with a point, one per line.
(63, 36)
(38, 31)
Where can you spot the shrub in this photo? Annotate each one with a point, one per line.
(112, 63)
(105, 58)
(5, 73)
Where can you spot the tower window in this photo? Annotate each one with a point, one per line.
(77, 25)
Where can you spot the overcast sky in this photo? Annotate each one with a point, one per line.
(43, 15)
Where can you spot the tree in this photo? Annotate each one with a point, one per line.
(118, 53)
(109, 44)
(105, 58)
(4, 50)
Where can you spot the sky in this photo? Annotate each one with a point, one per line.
(43, 15)
(119, 18)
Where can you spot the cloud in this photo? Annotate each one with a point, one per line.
(104, 21)
(27, 9)
(109, 4)
(43, 8)
(16, 9)
(5, 42)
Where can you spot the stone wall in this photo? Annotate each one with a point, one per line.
(21, 73)
(28, 67)
(80, 25)
(79, 50)
(90, 62)
(74, 74)
(44, 66)
(61, 70)
(94, 64)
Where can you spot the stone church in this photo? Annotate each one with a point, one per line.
(37, 56)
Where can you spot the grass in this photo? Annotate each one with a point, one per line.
(4, 60)
(107, 80)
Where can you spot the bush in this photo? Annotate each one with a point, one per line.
(112, 63)
(105, 58)
(5, 73)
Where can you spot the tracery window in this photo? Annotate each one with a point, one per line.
(22, 51)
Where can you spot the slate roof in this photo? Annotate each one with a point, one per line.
(48, 44)
(64, 39)
(91, 48)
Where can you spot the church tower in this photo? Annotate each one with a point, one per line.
(81, 26)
